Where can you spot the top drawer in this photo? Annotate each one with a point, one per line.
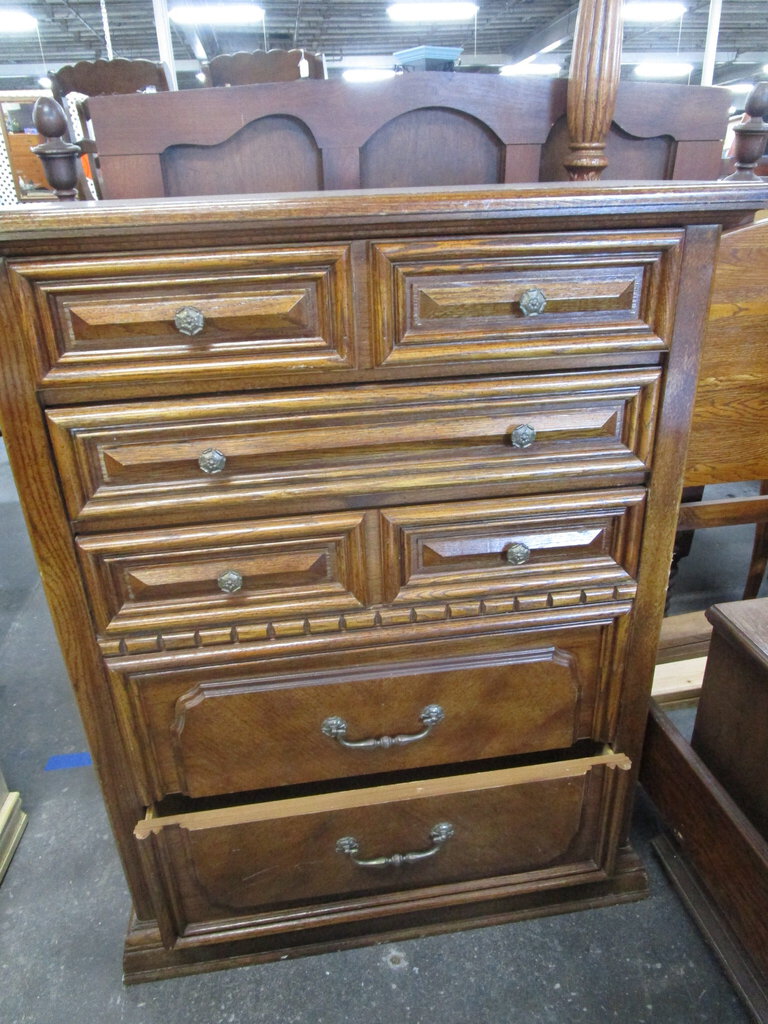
(524, 297)
(151, 320)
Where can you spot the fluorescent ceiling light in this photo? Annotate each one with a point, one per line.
(435, 10)
(216, 14)
(527, 68)
(368, 74)
(16, 21)
(639, 11)
(662, 69)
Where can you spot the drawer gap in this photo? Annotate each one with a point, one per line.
(176, 804)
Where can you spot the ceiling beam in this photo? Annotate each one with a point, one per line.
(561, 28)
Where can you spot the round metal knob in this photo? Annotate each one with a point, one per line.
(189, 320)
(212, 460)
(523, 436)
(517, 553)
(532, 302)
(230, 581)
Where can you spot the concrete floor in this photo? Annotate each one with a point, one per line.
(64, 904)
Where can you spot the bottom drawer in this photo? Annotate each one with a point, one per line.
(531, 826)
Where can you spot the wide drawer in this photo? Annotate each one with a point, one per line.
(517, 828)
(245, 455)
(272, 722)
(150, 320)
(526, 297)
(334, 563)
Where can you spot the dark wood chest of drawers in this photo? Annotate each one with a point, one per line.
(354, 514)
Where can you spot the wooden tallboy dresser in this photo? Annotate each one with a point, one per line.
(354, 512)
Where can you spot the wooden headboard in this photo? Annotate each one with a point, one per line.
(421, 129)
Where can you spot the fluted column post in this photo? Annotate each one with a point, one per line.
(592, 86)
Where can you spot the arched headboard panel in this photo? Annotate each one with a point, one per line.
(411, 150)
(273, 154)
(629, 157)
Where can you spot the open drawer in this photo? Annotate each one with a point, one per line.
(546, 824)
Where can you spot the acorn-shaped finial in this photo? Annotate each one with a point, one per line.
(49, 118)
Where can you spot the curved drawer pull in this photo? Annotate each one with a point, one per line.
(212, 460)
(517, 553)
(532, 302)
(523, 436)
(440, 834)
(336, 728)
(230, 581)
(189, 320)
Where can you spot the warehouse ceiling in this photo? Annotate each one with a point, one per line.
(351, 32)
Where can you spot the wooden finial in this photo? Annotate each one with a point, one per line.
(59, 158)
(751, 135)
(592, 86)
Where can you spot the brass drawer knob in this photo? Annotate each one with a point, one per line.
(523, 436)
(189, 320)
(532, 302)
(336, 728)
(517, 553)
(212, 460)
(440, 834)
(230, 581)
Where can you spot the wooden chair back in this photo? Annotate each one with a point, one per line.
(261, 66)
(90, 78)
(108, 77)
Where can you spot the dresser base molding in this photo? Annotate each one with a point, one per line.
(146, 959)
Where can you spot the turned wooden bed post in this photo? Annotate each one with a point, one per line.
(592, 86)
(59, 157)
(751, 135)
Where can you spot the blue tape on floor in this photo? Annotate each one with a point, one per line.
(67, 761)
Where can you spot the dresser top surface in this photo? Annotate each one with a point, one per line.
(144, 224)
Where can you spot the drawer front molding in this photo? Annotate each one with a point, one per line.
(283, 855)
(362, 446)
(279, 569)
(257, 725)
(522, 297)
(106, 322)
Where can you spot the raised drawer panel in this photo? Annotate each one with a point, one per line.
(521, 298)
(518, 546)
(161, 319)
(257, 725)
(207, 576)
(518, 828)
(356, 447)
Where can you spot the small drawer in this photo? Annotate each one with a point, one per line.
(154, 463)
(201, 576)
(152, 320)
(551, 824)
(518, 546)
(264, 723)
(523, 298)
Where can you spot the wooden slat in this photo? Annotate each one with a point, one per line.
(697, 515)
